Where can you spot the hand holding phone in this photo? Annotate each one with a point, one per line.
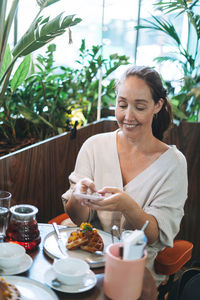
(93, 197)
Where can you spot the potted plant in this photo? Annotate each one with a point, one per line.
(40, 32)
(185, 102)
(53, 99)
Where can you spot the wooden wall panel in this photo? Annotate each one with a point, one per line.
(39, 174)
(187, 139)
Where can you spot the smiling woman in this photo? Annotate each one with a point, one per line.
(140, 177)
(142, 98)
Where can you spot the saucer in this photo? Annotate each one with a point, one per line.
(22, 267)
(86, 284)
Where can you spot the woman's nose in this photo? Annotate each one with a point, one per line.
(129, 113)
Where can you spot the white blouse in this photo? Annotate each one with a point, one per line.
(160, 189)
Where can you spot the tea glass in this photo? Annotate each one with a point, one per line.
(23, 227)
(5, 201)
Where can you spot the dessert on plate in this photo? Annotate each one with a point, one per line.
(86, 238)
(8, 291)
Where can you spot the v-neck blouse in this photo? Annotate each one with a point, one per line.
(160, 189)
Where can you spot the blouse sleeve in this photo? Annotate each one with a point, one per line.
(168, 204)
(83, 169)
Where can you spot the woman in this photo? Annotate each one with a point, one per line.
(141, 177)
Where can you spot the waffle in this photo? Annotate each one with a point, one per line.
(86, 237)
(95, 243)
(76, 240)
(8, 291)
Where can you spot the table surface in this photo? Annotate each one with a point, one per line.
(41, 263)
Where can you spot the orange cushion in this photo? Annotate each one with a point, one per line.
(59, 219)
(170, 260)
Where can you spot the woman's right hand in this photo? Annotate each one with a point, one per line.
(83, 186)
(75, 202)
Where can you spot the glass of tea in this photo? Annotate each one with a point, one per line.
(5, 200)
(23, 228)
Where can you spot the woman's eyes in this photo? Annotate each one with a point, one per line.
(123, 106)
(140, 108)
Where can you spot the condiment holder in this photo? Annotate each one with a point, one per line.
(123, 278)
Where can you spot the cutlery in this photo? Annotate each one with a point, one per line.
(95, 263)
(115, 229)
(99, 253)
(59, 240)
(55, 282)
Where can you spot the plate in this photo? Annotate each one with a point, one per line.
(88, 283)
(52, 250)
(24, 266)
(31, 289)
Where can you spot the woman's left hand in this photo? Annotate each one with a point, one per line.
(117, 201)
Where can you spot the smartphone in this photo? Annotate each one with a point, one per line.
(94, 197)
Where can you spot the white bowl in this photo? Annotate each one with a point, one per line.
(11, 255)
(70, 270)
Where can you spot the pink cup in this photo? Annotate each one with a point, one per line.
(123, 278)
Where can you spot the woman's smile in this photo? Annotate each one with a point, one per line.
(130, 125)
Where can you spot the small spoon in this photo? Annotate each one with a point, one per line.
(99, 253)
(55, 282)
(116, 229)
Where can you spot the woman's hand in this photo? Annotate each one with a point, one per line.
(83, 186)
(74, 207)
(120, 201)
(116, 201)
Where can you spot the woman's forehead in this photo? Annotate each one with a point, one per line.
(134, 87)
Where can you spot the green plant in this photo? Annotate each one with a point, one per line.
(185, 102)
(42, 98)
(41, 31)
(86, 80)
(48, 101)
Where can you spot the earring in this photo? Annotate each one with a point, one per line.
(155, 116)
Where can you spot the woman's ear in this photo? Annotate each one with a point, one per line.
(158, 106)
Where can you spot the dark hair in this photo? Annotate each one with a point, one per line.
(163, 119)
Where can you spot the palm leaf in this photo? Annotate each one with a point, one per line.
(161, 59)
(162, 25)
(6, 29)
(173, 5)
(21, 73)
(45, 3)
(170, 6)
(3, 4)
(178, 113)
(32, 116)
(37, 35)
(6, 61)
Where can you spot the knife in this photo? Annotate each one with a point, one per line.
(59, 240)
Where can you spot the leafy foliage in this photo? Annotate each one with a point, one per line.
(186, 103)
(41, 31)
(53, 99)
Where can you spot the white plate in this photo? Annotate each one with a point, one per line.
(31, 289)
(52, 250)
(24, 266)
(88, 283)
